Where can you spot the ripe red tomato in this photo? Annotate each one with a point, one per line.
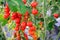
(23, 28)
(12, 17)
(6, 16)
(6, 12)
(34, 4)
(34, 11)
(23, 24)
(6, 9)
(19, 15)
(26, 16)
(14, 14)
(56, 15)
(30, 24)
(18, 24)
(17, 20)
(24, 1)
(33, 28)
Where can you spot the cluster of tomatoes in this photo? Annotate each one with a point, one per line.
(7, 11)
(34, 10)
(33, 5)
(17, 18)
(21, 25)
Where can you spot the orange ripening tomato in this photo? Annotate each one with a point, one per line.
(34, 36)
(31, 32)
(16, 28)
(18, 36)
(41, 24)
(33, 28)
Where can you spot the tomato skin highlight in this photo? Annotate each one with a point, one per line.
(30, 24)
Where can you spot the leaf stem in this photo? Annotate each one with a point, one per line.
(44, 15)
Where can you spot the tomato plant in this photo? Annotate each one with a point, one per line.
(30, 19)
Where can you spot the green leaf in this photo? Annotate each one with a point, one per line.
(23, 9)
(17, 5)
(41, 19)
(1, 18)
(55, 9)
(13, 6)
(4, 22)
(21, 6)
(11, 25)
(50, 25)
